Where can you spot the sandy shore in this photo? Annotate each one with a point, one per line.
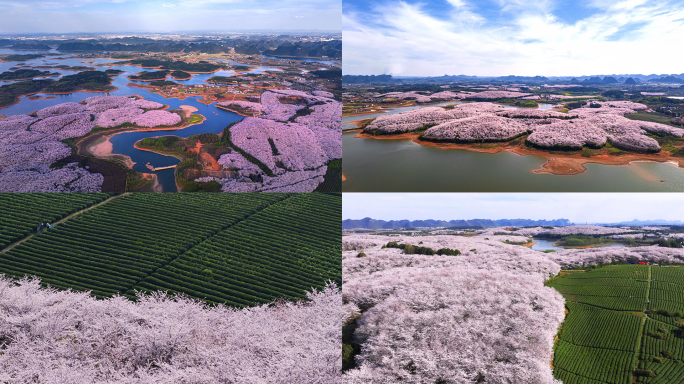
(189, 110)
(556, 164)
(156, 187)
(103, 149)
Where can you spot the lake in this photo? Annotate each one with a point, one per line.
(403, 166)
(547, 245)
(216, 119)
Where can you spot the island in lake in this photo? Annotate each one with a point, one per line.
(568, 123)
(170, 117)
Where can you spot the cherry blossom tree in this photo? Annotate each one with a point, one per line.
(70, 337)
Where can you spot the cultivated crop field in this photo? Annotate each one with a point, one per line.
(624, 324)
(236, 249)
(20, 213)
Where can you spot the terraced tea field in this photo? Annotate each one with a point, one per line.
(236, 249)
(20, 213)
(624, 325)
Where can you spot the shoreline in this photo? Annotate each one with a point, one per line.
(556, 164)
(80, 90)
(104, 149)
(230, 110)
(33, 78)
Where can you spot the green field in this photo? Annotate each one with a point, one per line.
(21, 213)
(624, 325)
(236, 249)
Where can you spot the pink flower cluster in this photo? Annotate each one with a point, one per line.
(297, 146)
(463, 324)
(40, 178)
(16, 122)
(593, 256)
(491, 299)
(161, 339)
(32, 144)
(330, 140)
(156, 118)
(255, 107)
(302, 147)
(234, 161)
(146, 104)
(273, 109)
(117, 116)
(496, 95)
(448, 95)
(477, 128)
(323, 94)
(99, 104)
(571, 133)
(580, 127)
(619, 104)
(401, 95)
(60, 109)
(65, 126)
(20, 154)
(327, 115)
(412, 120)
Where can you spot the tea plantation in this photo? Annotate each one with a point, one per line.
(235, 249)
(624, 324)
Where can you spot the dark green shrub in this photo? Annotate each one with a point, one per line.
(644, 373)
(448, 252)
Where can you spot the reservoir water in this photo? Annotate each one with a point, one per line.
(403, 166)
(122, 143)
(547, 245)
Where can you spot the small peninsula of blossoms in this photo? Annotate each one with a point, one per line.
(482, 316)
(29, 144)
(593, 125)
(283, 149)
(161, 339)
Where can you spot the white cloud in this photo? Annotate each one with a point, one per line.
(139, 16)
(404, 39)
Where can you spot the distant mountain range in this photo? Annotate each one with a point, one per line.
(630, 79)
(635, 222)
(368, 223)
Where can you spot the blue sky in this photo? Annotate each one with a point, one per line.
(40, 16)
(512, 37)
(576, 207)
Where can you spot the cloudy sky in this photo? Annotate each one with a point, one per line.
(576, 207)
(512, 37)
(41, 16)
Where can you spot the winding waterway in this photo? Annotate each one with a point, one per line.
(372, 165)
(122, 143)
(547, 245)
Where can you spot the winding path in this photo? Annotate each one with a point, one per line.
(11, 246)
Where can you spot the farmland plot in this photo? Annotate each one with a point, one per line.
(20, 213)
(239, 249)
(624, 325)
